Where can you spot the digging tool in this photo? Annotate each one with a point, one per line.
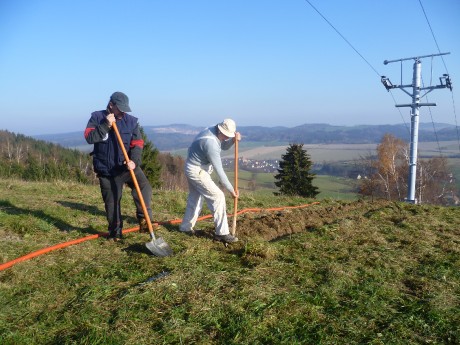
(235, 186)
(157, 246)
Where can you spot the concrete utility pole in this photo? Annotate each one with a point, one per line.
(415, 105)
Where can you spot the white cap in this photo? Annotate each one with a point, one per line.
(227, 128)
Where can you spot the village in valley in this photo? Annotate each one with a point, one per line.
(253, 165)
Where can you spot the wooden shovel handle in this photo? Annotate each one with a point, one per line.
(133, 176)
(235, 186)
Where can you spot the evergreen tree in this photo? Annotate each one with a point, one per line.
(33, 171)
(294, 177)
(150, 163)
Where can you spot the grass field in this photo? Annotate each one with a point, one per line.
(340, 152)
(342, 273)
(329, 186)
(338, 188)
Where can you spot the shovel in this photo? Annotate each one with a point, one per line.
(157, 246)
(235, 200)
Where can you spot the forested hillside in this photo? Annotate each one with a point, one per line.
(36, 160)
(31, 159)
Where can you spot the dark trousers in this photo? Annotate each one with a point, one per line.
(112, 191)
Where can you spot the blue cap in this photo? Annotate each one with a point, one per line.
(121, 101)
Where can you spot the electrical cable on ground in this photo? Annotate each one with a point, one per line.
(95, 236)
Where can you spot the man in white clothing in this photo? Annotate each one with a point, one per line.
(204, 157)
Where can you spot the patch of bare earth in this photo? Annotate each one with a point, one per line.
(272, 225)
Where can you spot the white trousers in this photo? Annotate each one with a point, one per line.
(202, 188)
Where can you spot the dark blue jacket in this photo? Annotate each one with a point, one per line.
(108, 159)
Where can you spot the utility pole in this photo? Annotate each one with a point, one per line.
(415, 109)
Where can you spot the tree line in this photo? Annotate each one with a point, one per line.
(35, 160)
(383, 174)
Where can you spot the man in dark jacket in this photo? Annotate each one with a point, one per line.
(109, 162)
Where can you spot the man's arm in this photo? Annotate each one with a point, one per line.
(136, 146)
(96, 132)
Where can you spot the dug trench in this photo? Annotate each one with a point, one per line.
(270, 226)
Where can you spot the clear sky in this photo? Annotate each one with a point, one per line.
(263, 63)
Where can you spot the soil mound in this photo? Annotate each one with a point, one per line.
(273, 225)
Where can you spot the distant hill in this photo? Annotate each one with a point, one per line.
(179, 136)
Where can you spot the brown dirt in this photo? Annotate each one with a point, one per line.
(272, 225)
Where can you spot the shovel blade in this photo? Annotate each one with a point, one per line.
(159, 247)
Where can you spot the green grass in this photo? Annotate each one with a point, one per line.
(358, 273)
(263, 181)
(330, 187)
(333, 187)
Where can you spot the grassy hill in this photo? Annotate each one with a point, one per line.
(332, 273)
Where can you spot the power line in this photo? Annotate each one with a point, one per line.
(400, 113)
(415, 105)
(447, 71)
(343, 37)
(362, 57)
(432, 33)
(376, 72)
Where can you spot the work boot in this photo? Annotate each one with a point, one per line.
(226, 238)
(143, 226)
(115, 235)
(188, 232)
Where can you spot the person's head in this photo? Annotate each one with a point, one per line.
(119, 103)
(227, 128)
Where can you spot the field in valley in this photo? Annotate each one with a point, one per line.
(333, 186)
(328, 186)
(342, 152)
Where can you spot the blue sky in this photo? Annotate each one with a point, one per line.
(262, 63)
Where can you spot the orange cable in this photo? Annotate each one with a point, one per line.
(92, 237)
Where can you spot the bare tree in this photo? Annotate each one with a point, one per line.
(9, 150)
(368, 184)
(391, 157)
(435, 183)
(385, 175)
(19, 153)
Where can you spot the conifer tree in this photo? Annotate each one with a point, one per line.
(33, 170)
(150, 163)
(294, 177)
